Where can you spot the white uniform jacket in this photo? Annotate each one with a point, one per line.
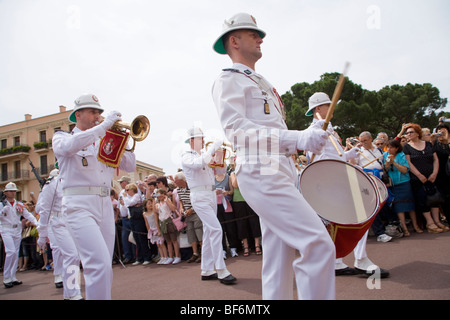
(196, 169)
(10, 216)
(49, 204)
(70, 149)
(256, 115)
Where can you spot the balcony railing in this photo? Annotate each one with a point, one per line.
(15, 175)
(26, 174)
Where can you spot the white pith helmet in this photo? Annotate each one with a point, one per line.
(194, 132)
(236, 22)
(11, 186)
(317, 99)
(85, 101)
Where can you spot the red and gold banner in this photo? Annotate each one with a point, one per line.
(218, 160)
(112, 147)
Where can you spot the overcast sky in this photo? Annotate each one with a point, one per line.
(155, 57)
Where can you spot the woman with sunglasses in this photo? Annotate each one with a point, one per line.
(424, 166)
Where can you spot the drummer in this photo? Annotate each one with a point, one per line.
(319, 103)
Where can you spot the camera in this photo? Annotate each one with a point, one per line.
(438, 134)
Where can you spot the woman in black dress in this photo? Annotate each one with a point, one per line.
(424, 167)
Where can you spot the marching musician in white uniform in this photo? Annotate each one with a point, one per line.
(86, 186)
(11, 230)
(318, 105)
(200, 178)
(252, 116)
(52, 225)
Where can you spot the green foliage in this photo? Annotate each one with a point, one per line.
(14, 150)
(364, 110)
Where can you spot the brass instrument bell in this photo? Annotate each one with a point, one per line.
(139, 128)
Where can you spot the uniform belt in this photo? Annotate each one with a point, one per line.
(99, 191)
(203, 188)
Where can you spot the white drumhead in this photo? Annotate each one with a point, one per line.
(381, 187)
(339, 192)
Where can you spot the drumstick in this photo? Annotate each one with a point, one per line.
(334, 100)
(376, 159)
(360, 151)
(331, 139)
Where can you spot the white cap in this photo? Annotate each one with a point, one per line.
(194, 132)
(85, 101)
(317, 99)
(11, 186)
(236, 22)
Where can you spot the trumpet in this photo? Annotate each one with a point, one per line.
(139, 129)
(223, 153)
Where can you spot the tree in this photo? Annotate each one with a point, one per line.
(364, 110)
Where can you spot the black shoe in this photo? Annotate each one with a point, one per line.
(8, 285)
(210, 277)
(347, 271)
(383, 273)
(59, 285)
(228, 280)
(16, 282)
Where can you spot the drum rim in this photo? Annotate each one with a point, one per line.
(365, 174)
(378, 180)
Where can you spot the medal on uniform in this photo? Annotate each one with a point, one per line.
(266, 107)
(84, 162)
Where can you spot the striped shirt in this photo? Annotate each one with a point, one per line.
(184, 196)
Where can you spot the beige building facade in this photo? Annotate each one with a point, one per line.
(31, 140)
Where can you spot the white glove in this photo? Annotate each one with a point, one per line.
(352, 153)
(216, 145)
(312, 139)
(42, 242)
(110, 119)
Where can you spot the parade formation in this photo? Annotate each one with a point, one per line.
(307, 225)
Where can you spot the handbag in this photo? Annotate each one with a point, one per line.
(179, 223)
(434, 197)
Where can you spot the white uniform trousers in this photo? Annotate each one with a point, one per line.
(56, 253)
(205, 205)
(360, 249)
(288, 225)
(69, 258)
(90, 220)
(11, 239)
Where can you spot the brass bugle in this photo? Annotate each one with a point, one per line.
(139, 128)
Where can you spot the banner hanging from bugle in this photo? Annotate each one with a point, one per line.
(112, 147)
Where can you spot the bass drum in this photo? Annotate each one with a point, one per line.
(382, 190)
(344, 196)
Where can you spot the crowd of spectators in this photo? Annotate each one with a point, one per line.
(415, 167)
(155, 221)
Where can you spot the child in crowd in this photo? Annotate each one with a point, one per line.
(166, 209)
(154, 230)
